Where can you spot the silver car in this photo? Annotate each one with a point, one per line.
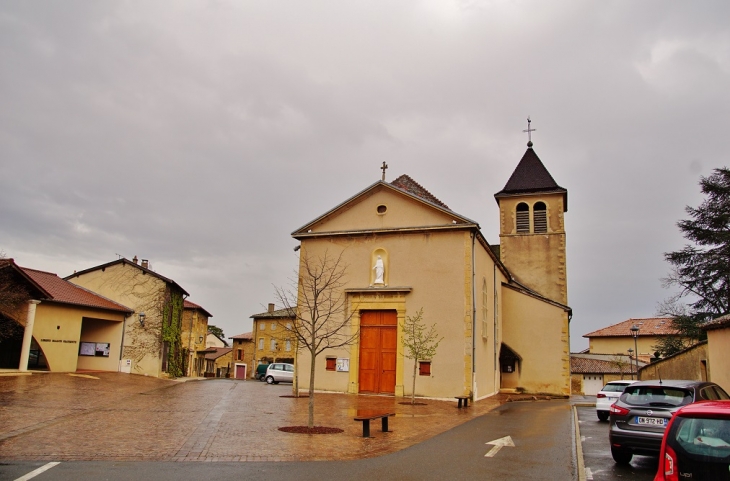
(279, 372)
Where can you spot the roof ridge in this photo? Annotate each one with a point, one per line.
(401, 183)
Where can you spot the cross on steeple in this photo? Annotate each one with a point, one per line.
(385, 166)
(529, 132)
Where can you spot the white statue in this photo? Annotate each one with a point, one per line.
(379, 269)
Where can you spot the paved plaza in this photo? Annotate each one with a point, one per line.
(113, 416)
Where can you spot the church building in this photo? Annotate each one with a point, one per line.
(501, 309)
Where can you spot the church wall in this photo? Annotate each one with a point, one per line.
(536, 260)
(400, 212)
(530, 330)
(432, 265)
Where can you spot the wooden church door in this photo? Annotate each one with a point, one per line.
(378, 350)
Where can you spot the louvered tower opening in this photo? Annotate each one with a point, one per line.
(523, 218)
(540, 217)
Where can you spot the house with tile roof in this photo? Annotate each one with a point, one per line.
(272, 336)
(194, 332)
(618, 338)
(66, 328)
(406, 249)
(152, 340)
(242, 354)
(217, 362)
(590, 372)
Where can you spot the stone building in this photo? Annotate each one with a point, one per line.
(243, 351)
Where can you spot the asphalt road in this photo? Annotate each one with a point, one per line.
(597, 453)
(542, 433)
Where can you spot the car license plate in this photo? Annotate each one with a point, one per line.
(650, 421)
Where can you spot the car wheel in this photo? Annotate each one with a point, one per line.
(602, 415)
(262, 378)
(621, 456)
(270, 380)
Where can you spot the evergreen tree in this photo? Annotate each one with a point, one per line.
(701, 270)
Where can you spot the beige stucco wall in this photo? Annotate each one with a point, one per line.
(536, 260)
(621, 345)
(689, 364)
(137, 290)
(718, 356)
(536, 331)
(59, 328)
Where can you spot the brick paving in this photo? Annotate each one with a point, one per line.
(113, 416)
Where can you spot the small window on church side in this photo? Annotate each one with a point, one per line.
(424, 368)
(382, 209)
(523, 218)
(540, 216)
(331, 364)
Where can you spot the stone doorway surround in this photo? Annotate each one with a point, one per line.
(379, 299)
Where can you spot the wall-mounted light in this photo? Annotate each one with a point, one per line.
(200, 340)
(141, 318)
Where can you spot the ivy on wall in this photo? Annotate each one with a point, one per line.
(172, 313)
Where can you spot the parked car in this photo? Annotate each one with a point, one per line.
(696, 444)
(608, 395)
(261, 372)
(279, 372)
(639, 417)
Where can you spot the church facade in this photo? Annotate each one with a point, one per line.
(501, 310)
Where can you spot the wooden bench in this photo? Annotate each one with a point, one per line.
(365, 416)
(464, 399)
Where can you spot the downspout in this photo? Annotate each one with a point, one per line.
(121, 346)
(497, 367)
(190, 339)
(473, 319)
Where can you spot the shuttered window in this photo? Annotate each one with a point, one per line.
(540, 218)
(523, 218)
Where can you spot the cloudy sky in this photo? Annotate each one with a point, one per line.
(199, 135)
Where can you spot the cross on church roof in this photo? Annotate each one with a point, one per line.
(385, 166)
(529, 132)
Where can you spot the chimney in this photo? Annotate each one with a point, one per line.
(271, 307)
(145, 263)
(135, 259)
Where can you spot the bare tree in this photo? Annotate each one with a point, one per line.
(620, 363)
(419, 343)
(14, 298)
(320, 308)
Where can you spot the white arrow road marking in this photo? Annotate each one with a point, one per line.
(38, 471)
(589, 474)
(499, 444)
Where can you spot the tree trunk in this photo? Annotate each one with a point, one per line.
(413, 391)
(311, 389)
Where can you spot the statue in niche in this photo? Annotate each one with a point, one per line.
(379, 269)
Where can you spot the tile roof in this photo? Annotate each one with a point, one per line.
(579, 365)
(68, 293)
(125, 261)
(718, 323)
(244, 336)
(277, 314)
(219, 351)
(191, 305)
(404, 182)
(650, 326)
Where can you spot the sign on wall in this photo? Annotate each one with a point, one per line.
(343, 365)
(97, 349)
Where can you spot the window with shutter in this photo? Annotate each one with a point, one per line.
(540, 218)
(523, 218)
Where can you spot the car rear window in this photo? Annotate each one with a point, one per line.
(700, 436)
(614, 387)
(656, 396)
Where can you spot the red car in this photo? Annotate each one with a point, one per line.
(696, 443)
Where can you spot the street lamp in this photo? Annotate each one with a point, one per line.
(631, 368)
(635, 333)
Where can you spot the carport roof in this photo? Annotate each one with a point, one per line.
(67, 293)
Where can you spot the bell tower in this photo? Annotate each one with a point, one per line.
(532, 228)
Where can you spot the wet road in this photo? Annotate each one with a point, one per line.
(597, 453)
(542, 434)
